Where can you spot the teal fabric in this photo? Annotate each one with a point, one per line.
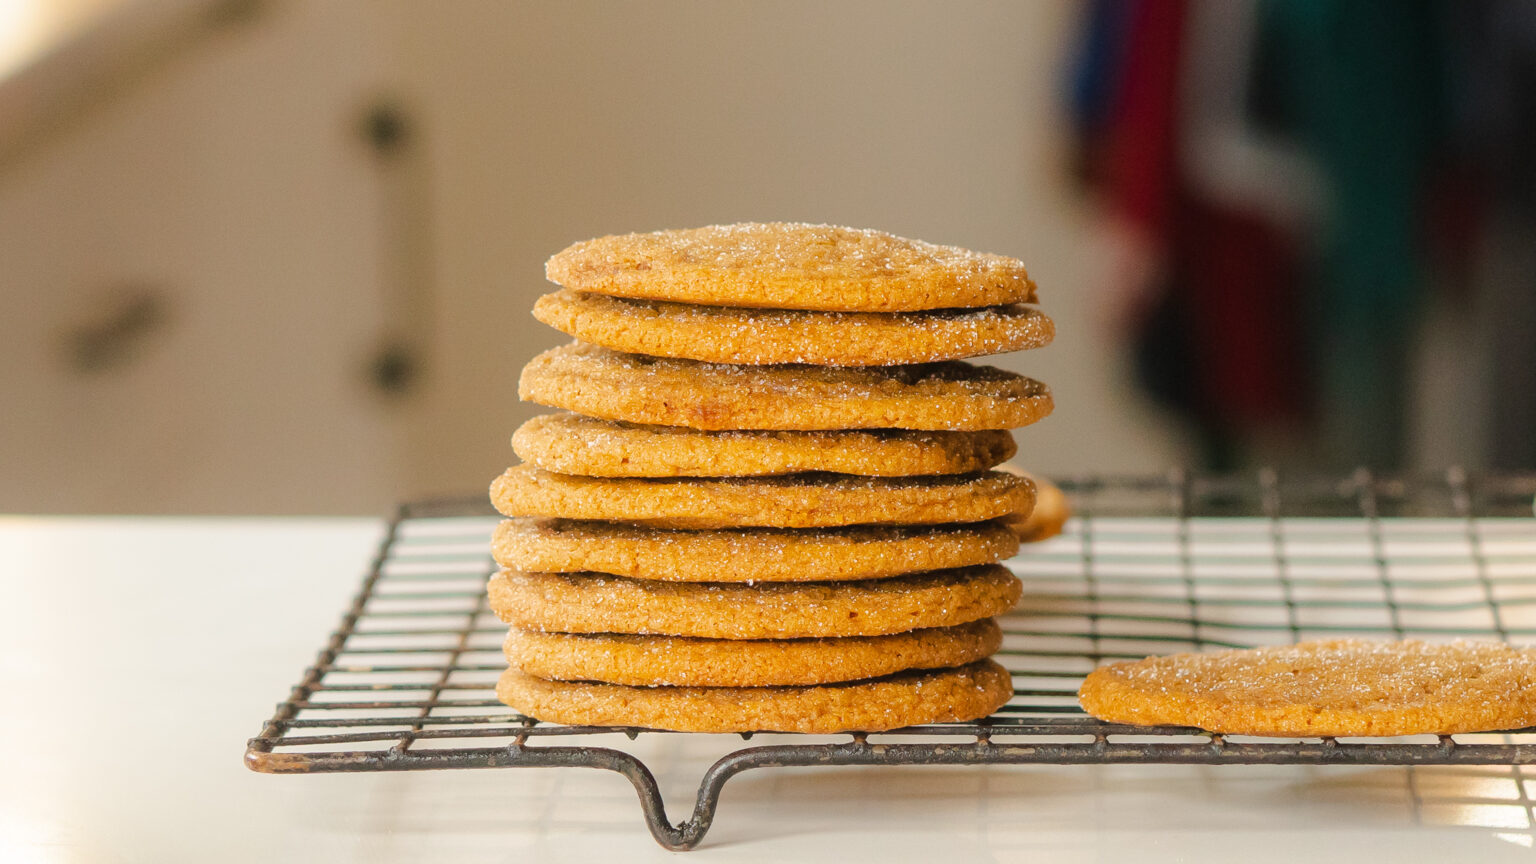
(1361, 82)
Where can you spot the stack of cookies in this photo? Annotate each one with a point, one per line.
(767, 501)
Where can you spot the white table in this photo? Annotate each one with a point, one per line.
(140, 654)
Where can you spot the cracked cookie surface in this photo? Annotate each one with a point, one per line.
(790, 265)
(569, 443)
(747, 554)
(905, 699)
(597, 603)
(724, 334)
(1340, 687)
(662, 391)
(786, 501)
(680, 661)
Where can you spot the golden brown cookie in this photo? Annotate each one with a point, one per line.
(572, 444)
(746, 554)
(904, 699)
(789, 501)
(730, 334)
(1343, 687)
(786, 265)
(595, 603)
(1049, 515)
(636, 388)
(646, 661)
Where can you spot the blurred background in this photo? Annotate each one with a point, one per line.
(279, 255)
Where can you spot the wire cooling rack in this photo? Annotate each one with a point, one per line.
(1148, 566)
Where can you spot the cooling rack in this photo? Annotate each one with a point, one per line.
(1149, 565)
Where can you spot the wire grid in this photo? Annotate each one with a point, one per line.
(1148, 566)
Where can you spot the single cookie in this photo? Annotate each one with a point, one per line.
(637, 388)
(595, 603)
(786, 265)
(572, 444)
(728, 334)
(746, 554)
(646, 661)
(905, 699)
(790, 501)
(1049, 515)
(1342, 687)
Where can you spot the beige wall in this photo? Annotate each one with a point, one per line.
(552, 122)
(233, 176)
(228, 181)
(31, 28)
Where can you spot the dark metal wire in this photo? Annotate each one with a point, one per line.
(412, 666)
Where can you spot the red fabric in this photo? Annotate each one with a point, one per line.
(1142, 168)
(1238, 272)
(1233, 272)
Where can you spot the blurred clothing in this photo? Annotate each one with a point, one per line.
(1229, 359)
(1494, 133)
(1266, 318)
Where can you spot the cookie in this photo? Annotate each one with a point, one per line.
(786, 265)
(729, 334)
(906, 699)
(1049, 515)
(1342, 687)
(746, 554)
(637, 388)
(572, 444)
(595, 603)
(687, 662)
(789, 501)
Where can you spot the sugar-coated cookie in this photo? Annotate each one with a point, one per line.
(747, 554)
(596, 603)
(1340, 687)
(788, 265)
(905, 699)
(681, 661)
(788, 501)
(572, 444)
(1049, 515)
(729, 334)
(637, 388)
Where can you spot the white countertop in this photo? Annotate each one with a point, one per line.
(138, 655)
